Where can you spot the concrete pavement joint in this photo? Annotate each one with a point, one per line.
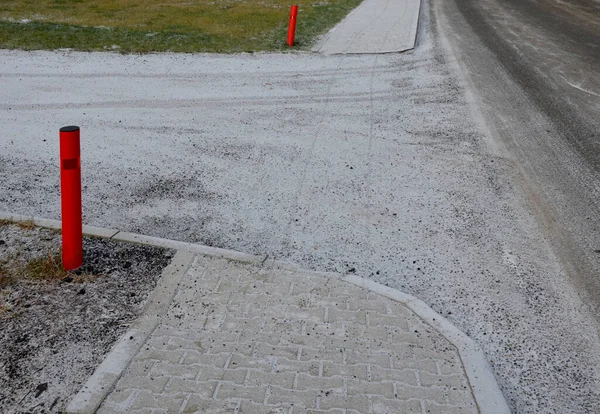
(483, 385)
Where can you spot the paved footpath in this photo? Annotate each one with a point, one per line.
(375, 26)
(258, 337)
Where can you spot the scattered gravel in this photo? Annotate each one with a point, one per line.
(376, 163)
(53, 334)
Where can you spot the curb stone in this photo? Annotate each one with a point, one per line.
(479, 373)
(104, 378)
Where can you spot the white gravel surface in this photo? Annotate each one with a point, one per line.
(376, 163)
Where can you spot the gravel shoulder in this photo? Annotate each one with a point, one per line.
(54, 333)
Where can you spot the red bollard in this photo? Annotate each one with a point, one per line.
(70, 185)
(292, 27)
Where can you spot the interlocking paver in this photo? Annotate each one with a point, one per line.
(359, 371)
(200, 404)
(236, 376)
(169, 370)
(144, 383)
(453, 380)
(434, 394)
(229, 390)
(318, 354)
(304, 398)
(383, 405)
(356, 387)
(194, 356)
(311, 382)
(181, 385)
(427, 365)
(149, 353)
(368, 332)
(378, 319)
(283, 379)
(311, 367)
(241, 361)
(405, 376)
(333, 401)
(379, 359)
(241, 337)
(147, 401)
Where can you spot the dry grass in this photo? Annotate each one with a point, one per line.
(5, 278)
(48, 267)
(158, 25)
(26, 225)
(20, 265)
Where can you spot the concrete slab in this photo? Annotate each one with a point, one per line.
(376, 26)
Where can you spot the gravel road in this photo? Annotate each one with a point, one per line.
(380, 164)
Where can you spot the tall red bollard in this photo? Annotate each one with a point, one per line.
(70, 185)
(292, 27)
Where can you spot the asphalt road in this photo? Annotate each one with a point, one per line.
(534, 68)
(551, 50)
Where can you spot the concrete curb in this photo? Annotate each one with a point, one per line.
(105, 377)
(481, 378)
(484, 386)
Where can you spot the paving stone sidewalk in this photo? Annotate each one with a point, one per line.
(242, 338)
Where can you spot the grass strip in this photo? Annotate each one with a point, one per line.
(239, 27)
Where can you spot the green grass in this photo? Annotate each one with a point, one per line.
(140, 26)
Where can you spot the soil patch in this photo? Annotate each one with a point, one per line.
(56, 327)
